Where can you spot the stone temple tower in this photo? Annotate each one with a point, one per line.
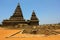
(17, 18)
(34, 20)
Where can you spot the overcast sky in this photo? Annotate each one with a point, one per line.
(48, 11)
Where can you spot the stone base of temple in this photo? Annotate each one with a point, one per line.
(39, 29)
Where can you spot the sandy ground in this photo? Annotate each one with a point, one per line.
(4, 33)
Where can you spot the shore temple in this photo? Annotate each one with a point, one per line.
(17, 18)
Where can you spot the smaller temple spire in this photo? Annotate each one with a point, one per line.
(34, 20)
(33, 17)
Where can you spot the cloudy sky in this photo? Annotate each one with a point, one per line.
(48, 11)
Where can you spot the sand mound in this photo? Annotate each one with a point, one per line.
(6, 33)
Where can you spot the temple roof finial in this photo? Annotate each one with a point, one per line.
(33, 10)
(18, 3)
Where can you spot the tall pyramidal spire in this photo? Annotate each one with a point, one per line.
(18, 11)
(17, 14)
